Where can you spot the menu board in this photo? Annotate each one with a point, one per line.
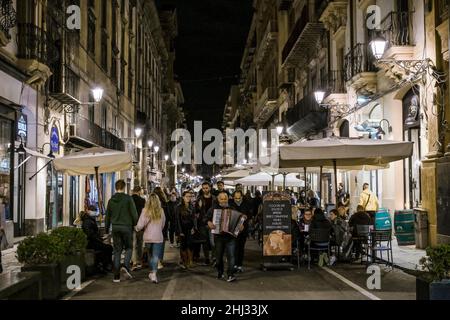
(277, 238)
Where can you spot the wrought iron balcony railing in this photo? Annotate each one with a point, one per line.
(34, 44)
(86, 133)
(335, 82)
(358, 60)
(7, 16)
(397, 29)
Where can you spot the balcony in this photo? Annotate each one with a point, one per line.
(7, 21)
(85, 133)
(334, 86)
(303, 41)
(360, 71)
(306, 117)
(397, 30)
(35, 53)
(266, 106)
(63, 88)
(268, 41)
(335, 17)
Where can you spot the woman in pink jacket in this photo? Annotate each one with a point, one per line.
(152, 221)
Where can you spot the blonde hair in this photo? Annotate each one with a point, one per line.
(153, 209)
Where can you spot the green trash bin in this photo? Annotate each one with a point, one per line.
(404, 227)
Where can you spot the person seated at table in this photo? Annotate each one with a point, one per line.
(342, 212)
(95, 242)
(320, 222)
(339, 228)
(359, 218)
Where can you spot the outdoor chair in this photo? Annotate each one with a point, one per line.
(362, 238)
(318, 240)
(382, 241)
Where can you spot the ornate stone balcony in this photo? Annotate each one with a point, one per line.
(334, 17)
(36, 53)
(360, 71)
(268, 41)
(267, 105)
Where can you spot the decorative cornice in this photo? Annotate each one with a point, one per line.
(335, 16)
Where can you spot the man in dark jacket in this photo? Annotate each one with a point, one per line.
(138, 240)
(239, 203)
(171, 210)
(122, 215)
(220, 188)
(202, 206)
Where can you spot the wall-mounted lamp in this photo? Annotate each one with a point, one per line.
(380, 129)
(21, 149)
(138, 132)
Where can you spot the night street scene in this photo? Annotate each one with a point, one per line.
(224, 154)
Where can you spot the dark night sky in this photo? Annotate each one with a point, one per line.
(210, 45)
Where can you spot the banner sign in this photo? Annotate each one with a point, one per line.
(277, 238)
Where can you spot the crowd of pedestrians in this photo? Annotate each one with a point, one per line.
(141, 224)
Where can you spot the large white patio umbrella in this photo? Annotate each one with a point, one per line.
(238, 174)
(94, 161)
(343, 152)
(264, 179)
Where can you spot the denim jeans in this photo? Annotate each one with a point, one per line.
(161, 252)
(155, 249)
(225, 243)
(122, 240)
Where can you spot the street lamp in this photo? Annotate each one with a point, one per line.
(319, 95)
(156, 149)
(378, 45)
(166, 157)
(280, 129)
(150, 143)
(97, 94)
(138, 132)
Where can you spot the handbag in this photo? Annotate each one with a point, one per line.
(196, 236)
(3, 241)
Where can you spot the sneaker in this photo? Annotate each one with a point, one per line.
(207, 262)
(240, 269)
(152, 277)
(160, 265)
(220, 276)
(332, 261)
(126, 272)
(182, 266)
(231, 278)
(116, 278)
(171, 245)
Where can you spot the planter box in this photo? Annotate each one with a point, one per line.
(50, 279)
(432, 291)
(76, 260)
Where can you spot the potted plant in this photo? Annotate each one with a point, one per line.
(434, 283)
(72, 244)
(41, 254)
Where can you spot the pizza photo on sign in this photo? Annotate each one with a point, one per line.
(277, 243)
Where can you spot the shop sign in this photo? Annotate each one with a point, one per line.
(277, 238)
(22, 127)
(54, 140)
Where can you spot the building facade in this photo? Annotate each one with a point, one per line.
(305, 47)
(51, 59)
